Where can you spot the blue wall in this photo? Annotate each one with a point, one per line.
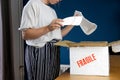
(105, 13)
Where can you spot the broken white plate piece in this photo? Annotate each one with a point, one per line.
(77, 13)
(74, 20)
(86, 26)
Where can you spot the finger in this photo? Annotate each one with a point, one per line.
(57, 26)
(59, 22)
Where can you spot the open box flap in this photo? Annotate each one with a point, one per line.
(115, 46)
(64, 43)
(114, 43)
(81, 44)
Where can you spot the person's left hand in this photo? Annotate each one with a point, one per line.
(56, 23)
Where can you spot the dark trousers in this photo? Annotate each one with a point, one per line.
(42, 63)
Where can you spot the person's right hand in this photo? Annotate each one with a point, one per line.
(56, 23)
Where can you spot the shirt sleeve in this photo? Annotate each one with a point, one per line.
(28, 19)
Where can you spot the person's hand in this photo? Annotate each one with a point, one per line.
(56, 23)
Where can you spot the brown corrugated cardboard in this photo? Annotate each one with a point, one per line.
(82, 43)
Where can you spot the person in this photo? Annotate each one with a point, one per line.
(40, 29)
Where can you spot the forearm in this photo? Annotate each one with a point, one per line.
(66, 30)
(34, 33)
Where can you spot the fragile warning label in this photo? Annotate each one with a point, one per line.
(86, 60)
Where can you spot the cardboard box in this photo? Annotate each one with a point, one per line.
(115, 45)
(88, 57)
